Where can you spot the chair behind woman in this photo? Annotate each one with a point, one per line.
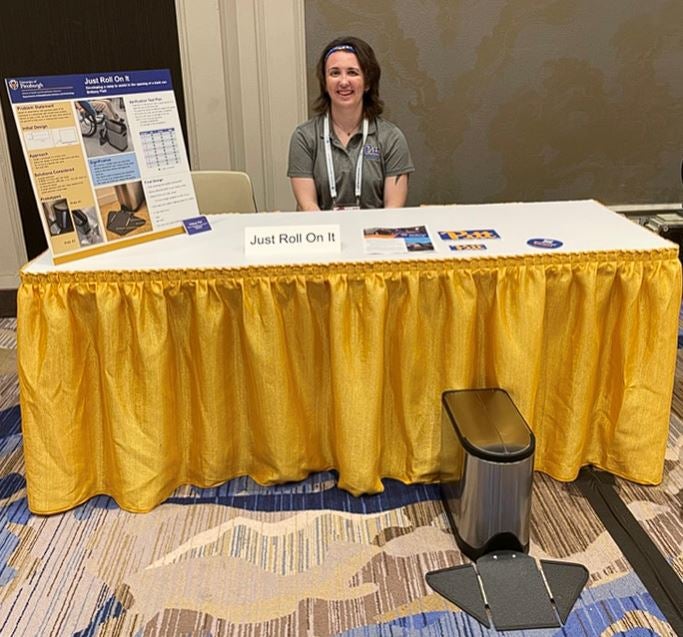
(220, 191)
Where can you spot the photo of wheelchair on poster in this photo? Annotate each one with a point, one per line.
(103, 126)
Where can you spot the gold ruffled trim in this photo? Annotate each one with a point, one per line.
(356, 269)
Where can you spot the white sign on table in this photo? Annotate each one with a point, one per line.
(305, 239)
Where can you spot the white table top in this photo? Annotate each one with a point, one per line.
(581, 226)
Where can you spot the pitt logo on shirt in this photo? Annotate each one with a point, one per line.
(371, 152)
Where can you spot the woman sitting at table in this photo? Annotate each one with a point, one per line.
(348, 157)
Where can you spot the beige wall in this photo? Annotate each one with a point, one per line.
(244, 83)
(509, 100)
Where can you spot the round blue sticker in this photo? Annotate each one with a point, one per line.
(548, 244)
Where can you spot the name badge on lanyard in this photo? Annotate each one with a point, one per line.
(330, 166)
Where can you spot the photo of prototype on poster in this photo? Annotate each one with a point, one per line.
(124, 210)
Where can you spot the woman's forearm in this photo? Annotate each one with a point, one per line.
(305, 193)
(395, 191)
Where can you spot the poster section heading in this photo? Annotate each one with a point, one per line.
(106, 156)
(64, 87)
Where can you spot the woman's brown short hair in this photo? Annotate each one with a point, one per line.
(372, 104)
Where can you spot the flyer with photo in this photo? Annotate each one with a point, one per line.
(106, 156)
(397, 240)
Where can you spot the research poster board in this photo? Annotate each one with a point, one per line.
(106, 156)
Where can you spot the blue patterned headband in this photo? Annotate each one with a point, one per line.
(340, 47)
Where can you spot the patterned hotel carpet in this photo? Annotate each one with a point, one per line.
(300, 559)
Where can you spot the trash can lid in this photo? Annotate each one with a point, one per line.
(489, 424)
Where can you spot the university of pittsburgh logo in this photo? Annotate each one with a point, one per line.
(463, 235)
(460, 247)
(371, 152)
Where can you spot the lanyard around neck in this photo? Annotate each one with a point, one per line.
(330, 166)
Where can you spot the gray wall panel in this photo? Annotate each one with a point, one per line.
(521, 100)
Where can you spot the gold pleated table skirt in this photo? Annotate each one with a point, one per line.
(133, 383)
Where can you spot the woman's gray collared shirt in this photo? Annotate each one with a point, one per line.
(385, 154)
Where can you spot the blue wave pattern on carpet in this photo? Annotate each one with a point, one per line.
(615, 606)
(590, 616)
(317, 492)
(297, 497)
(111, 609)
(10, 429)
(595, 611)
(589, 619)
(15, 512)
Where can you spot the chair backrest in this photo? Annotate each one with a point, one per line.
(221, 191)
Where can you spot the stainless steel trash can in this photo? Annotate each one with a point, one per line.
(487, 461)
(130, 195)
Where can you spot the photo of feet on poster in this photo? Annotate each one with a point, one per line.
(106, 156)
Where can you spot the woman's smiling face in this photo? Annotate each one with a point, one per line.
(344, 79)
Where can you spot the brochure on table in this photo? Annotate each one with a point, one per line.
(397, 240)
(106, 156)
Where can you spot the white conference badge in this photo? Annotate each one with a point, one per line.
(305, 239)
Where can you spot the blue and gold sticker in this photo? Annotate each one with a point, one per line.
(467, 246)
(464, 235)
(545, 244)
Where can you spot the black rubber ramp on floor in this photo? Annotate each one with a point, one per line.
(459, 585)
(565, 581)
(511, 588)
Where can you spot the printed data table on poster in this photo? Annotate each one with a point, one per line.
(160, 148)
(106, 157)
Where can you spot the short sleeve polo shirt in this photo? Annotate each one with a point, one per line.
(385, 154)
